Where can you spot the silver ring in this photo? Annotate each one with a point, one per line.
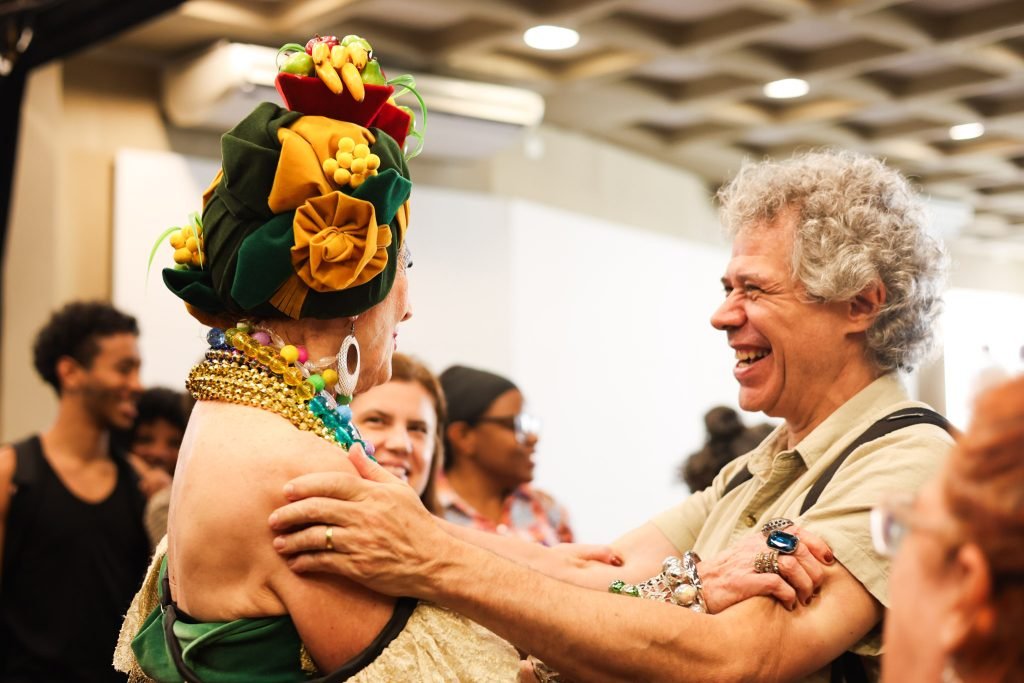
(776, 524)
(329, 538)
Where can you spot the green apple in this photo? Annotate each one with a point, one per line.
(353, 38)
(298, 63)
(371, 73)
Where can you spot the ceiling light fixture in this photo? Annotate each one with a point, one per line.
(786, 88)
(967, 131)
(547, 37)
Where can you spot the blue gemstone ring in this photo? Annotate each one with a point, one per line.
(783, 541)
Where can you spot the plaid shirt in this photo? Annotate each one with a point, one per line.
(527, 513)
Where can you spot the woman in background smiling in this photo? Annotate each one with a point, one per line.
(404, 421)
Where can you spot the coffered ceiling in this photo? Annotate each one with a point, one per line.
(681, 80)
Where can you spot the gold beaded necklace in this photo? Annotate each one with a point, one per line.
(259, 376)
(230, 377)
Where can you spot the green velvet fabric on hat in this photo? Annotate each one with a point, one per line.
(248, 248)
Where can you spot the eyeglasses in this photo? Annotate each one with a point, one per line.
(522, 424)
(893, 519)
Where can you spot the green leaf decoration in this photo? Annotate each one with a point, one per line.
(156, 245)
(408, 84)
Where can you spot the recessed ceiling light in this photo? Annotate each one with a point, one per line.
(967, 131)
(547, 37)
(786, 88)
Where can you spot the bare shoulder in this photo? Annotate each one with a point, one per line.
(7, 463)
(259, 442)
(236, 463)
(232, 468)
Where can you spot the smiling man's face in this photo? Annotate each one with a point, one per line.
(788, 349)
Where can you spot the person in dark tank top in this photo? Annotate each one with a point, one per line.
(74, 548)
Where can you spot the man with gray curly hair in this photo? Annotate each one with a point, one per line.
(858, 222)
(832, 288)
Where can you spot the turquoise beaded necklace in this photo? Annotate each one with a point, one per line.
(310, 388)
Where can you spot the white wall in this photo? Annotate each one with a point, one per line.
(614, 349)
(983, 340)
(171, 341)
(603, 326)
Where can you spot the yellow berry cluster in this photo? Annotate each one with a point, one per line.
(188, 246)
(352, 163)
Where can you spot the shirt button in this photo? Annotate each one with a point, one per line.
(750, 520)
(502, 529)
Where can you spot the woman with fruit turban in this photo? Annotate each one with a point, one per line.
(298, 264)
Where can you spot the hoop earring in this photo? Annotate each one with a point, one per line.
(348, 365)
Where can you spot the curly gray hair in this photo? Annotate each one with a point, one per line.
(858, 222)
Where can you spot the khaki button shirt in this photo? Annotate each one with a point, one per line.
(898, 462)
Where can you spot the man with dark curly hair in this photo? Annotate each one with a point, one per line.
(71, 535)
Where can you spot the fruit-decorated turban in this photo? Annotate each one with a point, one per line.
(308, 214)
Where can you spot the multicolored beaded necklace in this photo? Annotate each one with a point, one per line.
(245, 369)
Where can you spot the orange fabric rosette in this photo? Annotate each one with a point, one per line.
(338, 243)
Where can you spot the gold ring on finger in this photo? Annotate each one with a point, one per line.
(767, 562)
(329, 538)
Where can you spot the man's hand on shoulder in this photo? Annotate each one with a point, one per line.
(371, 528)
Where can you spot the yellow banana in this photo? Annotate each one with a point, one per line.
(320, 53)
(326, 72)
(353, 81)
(357, 55)
(339, 56)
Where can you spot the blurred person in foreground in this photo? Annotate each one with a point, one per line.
(958, 577)
(727, 439)
(404, 420)
(831, 291)
(71, 533)
(490, 441)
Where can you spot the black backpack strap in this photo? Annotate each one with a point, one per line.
(740, 477)
(849, 667)
(889, 423)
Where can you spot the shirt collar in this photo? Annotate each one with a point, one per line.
(866, 406)
(447, 497)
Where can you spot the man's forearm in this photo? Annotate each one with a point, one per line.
(588, 635)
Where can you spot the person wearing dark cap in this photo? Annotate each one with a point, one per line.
(488, 467)
(299, 265)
